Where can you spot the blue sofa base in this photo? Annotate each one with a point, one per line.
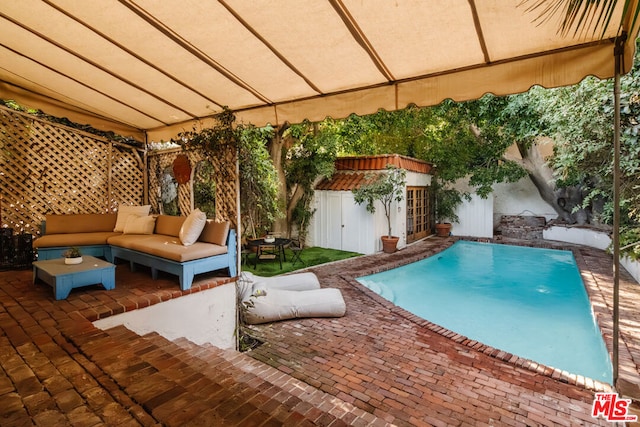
(103, 251)
(184, 270)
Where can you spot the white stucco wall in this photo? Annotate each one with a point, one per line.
(633, 267)
(592, 238)
(578, 235)
(479, 217)
(519, 198)
(203, 317)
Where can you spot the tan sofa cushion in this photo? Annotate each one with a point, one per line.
(215, 232)
(140, 224)
(124, 212)
(169, 247)
(79, 223)
(169, 225)
(74, 239)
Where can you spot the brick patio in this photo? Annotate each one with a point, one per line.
(378, 365)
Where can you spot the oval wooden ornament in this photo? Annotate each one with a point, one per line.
(182, 169)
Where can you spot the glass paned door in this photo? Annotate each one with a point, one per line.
(418, 213)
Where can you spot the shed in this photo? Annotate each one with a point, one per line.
(340, 223)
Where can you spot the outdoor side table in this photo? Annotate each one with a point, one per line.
(269, 250)
(63, 277)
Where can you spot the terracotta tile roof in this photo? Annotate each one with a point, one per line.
(380, 162)
(347, 176)
(343, 181)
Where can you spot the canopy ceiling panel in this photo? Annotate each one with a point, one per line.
(186, 49)
(416, 40)
(161, 66)
(54, 84)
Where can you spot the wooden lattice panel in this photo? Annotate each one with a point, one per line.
(160, 161)
(127, 173)
(226, 189)
(49, 168)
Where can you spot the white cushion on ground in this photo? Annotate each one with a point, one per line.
(280, 304)
(291, 282)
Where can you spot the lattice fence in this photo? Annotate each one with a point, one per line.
(50, 168)
(160, 171)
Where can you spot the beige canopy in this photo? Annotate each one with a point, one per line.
(136, 66)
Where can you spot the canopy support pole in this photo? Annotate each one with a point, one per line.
(618, 53)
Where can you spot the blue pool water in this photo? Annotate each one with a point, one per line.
(527, 301)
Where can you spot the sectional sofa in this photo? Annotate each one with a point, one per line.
(161, 242)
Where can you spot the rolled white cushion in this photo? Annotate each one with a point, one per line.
(276, 304)
(291, 282)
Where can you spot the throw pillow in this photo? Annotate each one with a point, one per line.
(140, 224)
(125, 211)
(192, 227)
(215, 232)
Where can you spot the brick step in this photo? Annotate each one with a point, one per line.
(180, 382)
(268, 382)
(273, 387)
(49, 383)
(162, 378)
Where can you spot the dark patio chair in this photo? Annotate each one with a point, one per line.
(296, 248)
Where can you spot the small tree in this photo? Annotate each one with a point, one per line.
(386, 188)
(447, 201)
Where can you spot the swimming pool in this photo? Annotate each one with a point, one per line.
(530, 302)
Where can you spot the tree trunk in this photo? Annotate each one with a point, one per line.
(275, 151)
(567, 202)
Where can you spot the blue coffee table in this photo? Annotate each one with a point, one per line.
(64, 277)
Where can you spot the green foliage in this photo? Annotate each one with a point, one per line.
(72, 252)
(168, 192)
(204, 188)
(444, 136)
(258, 181)
(384, 187)
(215, 142)
(630, 242)
(311, 156)
(9, 103)
(313, 153)
(302, 214)
(447, 200)
(404, 132)
(580, 120)
(258, 178)
(582, 17)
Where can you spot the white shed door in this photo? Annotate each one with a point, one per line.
(334, 220)
(355, 225)
(341, 224)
